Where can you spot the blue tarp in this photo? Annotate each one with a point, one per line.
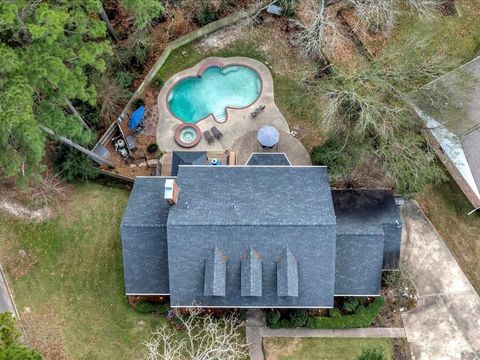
(137, 117)
(268, 136)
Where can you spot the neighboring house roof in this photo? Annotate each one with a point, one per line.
(272, 159)
(188, 158)
(368, 239)
(144, 238)
(450, 107)
(252, 214)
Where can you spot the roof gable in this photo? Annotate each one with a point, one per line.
(251, 273)
(188, 158)
(268, 159)
(146, 206)
(215, 274)
(287, 274)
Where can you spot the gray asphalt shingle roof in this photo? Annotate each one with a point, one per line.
(257, 237)
(144, 238)
(253, 214)
(268, 159)
(243, 195)
(368, 239)
(188, 158)
(287, 274)
(215, 274)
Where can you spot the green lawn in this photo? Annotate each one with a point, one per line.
(76, 284)
(323, 348)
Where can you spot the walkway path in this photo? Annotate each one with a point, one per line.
(256, 330)
(6, 300)
(446, 322)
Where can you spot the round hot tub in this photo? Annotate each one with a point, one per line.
(187, 135)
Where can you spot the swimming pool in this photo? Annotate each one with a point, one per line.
(194, 98)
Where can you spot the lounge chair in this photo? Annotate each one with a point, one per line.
(216, 133)
(208, 137)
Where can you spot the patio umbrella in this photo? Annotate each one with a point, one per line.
(268, 136)
(137, 117)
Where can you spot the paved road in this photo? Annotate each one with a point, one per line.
(446, 322)
(6, 303)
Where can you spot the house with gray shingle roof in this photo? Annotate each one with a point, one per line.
(256, 236)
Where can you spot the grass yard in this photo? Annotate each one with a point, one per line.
(323, 348)
(447, 208)
(67, 279)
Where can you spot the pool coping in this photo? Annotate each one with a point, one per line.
(239, 121)
(203, 66)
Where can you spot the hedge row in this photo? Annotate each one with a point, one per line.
(146, 307)
(362, 318)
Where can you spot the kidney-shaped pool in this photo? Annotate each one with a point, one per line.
(194, 98)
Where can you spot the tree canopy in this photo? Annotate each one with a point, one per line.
(9, 348)
(49, 51)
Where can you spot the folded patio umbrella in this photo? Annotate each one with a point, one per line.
(268, 136)
(137, 117)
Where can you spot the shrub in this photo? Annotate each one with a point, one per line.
(137, 103)
(350, 305)
(152, 148)
(146, 307)
(371, 354)
(273, 317)
(340, 153)
(359, 319)
(9, 349)
(288, 8)
(157, 83)
(8, 332)
(298, 317)
(73, 166)
(334, 313)
(206, 15)
(124, 79)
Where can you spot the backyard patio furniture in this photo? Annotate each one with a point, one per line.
(268, 136)
(208, 136)
(216, 133)
(136, 118)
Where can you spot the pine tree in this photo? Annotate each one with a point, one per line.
(49, 52)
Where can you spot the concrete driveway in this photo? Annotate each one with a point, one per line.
(446, 322)
(6, 301)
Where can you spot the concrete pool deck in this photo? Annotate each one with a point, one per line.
(239, 121)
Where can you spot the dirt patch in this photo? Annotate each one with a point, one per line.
(19, 211)
(400, 296)
(276, 347)
(401, 350)
(219, 39)
(43, 331)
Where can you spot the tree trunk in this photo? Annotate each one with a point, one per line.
(77, 115)
(97, 158)
(110, 29)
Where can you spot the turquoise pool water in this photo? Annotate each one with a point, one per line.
(192, 99)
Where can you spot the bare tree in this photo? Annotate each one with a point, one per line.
(204, 338)
(317, 31)
(425, 8)
(376, 15)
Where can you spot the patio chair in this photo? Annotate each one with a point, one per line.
(216, 133)
(208, 136)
